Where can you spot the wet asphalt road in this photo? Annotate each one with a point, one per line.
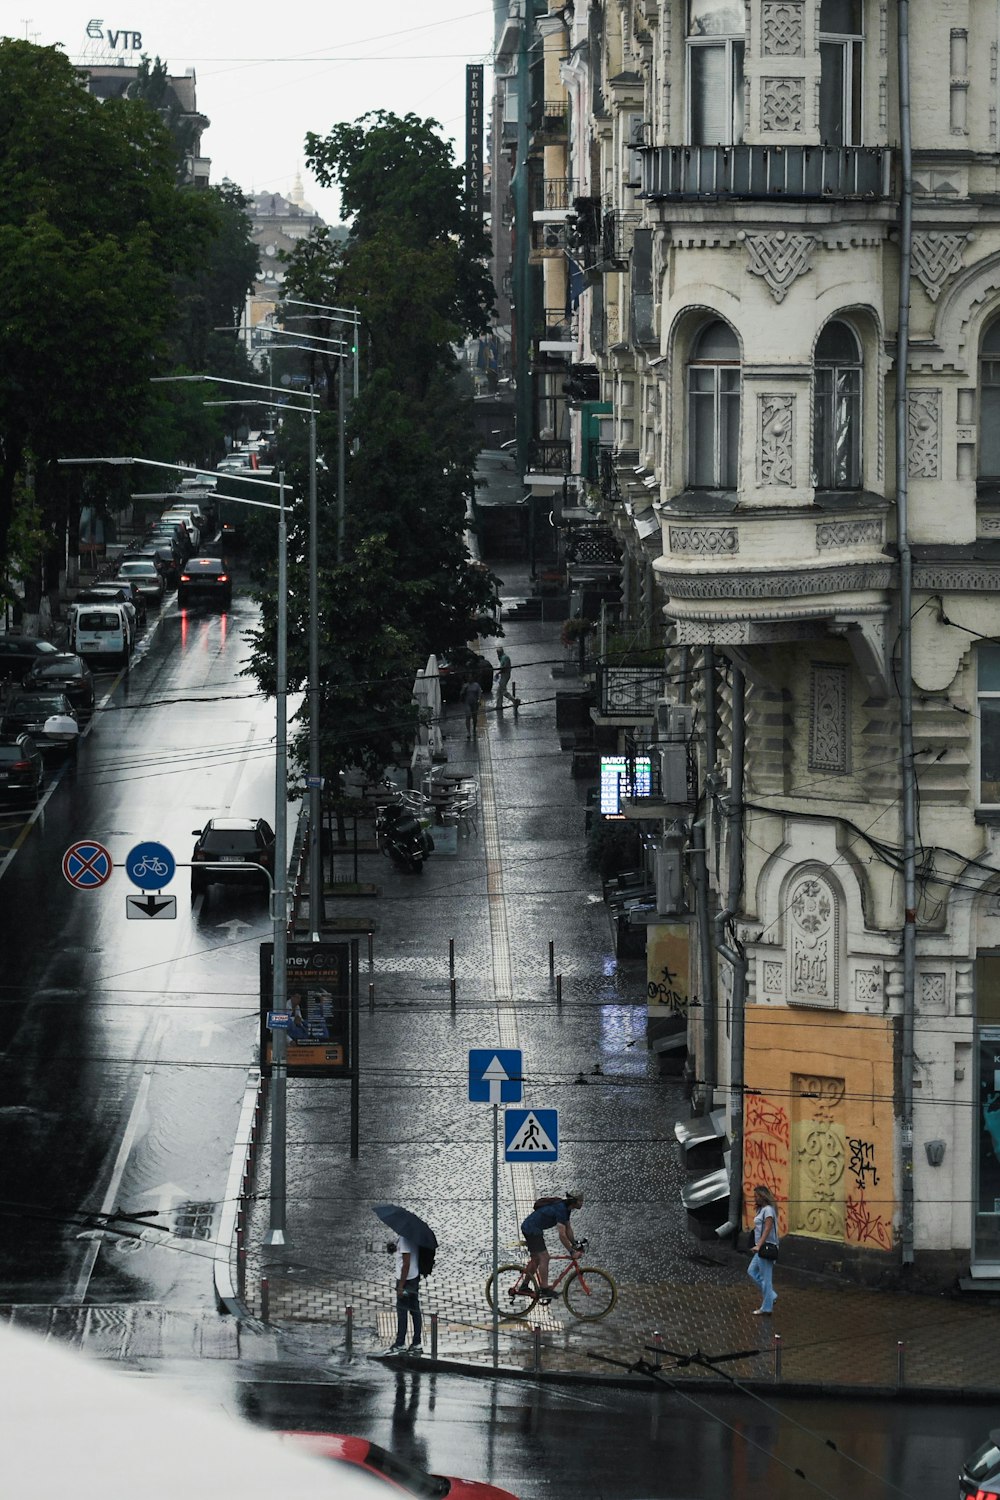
(124, 1044)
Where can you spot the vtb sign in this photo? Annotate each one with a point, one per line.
(129, 41)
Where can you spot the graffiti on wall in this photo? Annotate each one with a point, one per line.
(865, 1227)
(766, 1138)
(862, 1163)
(668, 967)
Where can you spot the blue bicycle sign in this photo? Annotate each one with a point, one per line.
(150, 866)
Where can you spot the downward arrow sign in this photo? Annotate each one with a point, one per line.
(151, 906)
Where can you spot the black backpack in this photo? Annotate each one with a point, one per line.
(425, 1259)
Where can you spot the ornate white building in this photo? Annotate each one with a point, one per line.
(747, 230)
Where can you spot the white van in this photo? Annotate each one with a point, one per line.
(101, 631)
(184, 517)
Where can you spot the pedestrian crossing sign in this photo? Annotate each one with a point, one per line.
(531, 1134)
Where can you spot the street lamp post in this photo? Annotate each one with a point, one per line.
(277, 1229)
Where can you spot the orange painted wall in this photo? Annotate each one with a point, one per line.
(818, 1122)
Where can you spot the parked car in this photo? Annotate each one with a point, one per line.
(22, 772)
(177, 532)
(164, 565)
(980, 1477)
(206, 578)
(19, 652)
(146, 577)
(170, 552)
(109, 593)
(234, 463)
(240, 846)
(64, 673)
(194, 510)
(191, 483)
(185, 520)
(101, 632)
(396, 1473)
(46, 717)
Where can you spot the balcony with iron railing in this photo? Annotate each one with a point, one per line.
(552, 194)
(617, 231)
(631, 691)
(762, 172)
(549, 118)
(549, 456)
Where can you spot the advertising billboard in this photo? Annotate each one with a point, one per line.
(318, 1005)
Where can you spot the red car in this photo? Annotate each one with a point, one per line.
(395, 1473)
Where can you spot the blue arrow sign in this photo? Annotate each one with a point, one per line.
(531, 1135)
(495, 1075)
(150, 866)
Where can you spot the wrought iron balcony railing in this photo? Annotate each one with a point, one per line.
(552, 194)
(765, 172)
(623, 691)
(550, 456)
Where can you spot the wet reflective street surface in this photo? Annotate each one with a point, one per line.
(125, 1043)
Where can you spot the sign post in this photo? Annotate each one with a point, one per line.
(495, 1078)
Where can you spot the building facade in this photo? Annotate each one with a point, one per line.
(743, 232)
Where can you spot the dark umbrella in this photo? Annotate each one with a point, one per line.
(408, 1225)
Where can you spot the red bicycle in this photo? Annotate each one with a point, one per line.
(589, 1293)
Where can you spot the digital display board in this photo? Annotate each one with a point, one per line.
(631, 776)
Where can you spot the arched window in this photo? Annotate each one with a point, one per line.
(989, 404)
(837, 410)
(714, 408)
(715, 33)
(841, 44)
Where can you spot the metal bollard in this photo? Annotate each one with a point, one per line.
(900, 1365)
(552, 958)
(434, 1335)
(657, 1351)
(241, 1270)
(265, 1301)
(371, 999)
(453, 991)
(559, 989)
(371, 951)
(451, 957)
(777, 1358)
(349, 1334)
(536, 1349)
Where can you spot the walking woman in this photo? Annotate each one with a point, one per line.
(765, 1232)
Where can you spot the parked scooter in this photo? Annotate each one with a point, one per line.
(402, 837)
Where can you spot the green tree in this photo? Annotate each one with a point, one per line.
(153, 87)
(93, 236)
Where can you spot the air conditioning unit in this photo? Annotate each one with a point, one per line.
(668, 869)
(554, 237)
(674, 773)
(674, 721)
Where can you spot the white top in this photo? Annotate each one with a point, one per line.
(402, 1246)
(760, 1220)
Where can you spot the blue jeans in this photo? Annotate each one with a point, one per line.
(408, 1302)
(762, 1272)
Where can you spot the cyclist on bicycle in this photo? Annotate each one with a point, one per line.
(548, 1213)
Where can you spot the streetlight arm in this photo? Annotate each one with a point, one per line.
(154, 463)
(247, 385)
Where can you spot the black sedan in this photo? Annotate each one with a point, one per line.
(19, 652)
(22, 774)
(206, 578)
(64, 673)
(980, 1479)
(47, 717)
(240, 851)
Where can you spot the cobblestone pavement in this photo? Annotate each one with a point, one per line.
(518, 881)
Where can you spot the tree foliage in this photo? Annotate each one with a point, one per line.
(415, 268)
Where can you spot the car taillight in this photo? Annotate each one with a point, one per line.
(986, 1495)
(185, 578)
(199, 854)
(223, 577)
(21, 765)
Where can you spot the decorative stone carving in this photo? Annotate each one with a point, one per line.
(848, 534)
(711, 541)
(782, 29)
(932, 996)
(788, 585)
(780, 258)
(775, 450)
(829, 729)
(772, 976)
(820, 1157)
(782, 105)
(967, 578)
(867, 986)
(813, 942)
(923, 431)
(935, 257)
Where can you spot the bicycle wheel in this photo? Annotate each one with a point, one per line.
(510, 1306)
(590, 1293)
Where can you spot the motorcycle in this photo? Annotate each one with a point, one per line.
(402, 837)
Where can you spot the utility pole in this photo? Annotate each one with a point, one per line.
(524, 404)
(315, 779)
(276, 1233)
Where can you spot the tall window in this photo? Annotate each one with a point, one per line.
(988, 665)
(841, 43)
(989, 405)
(715, 72)
(714, 409)
(837, 410)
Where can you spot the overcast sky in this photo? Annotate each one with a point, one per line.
(268, 73)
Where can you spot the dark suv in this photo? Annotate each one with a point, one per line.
(238, 848)
(22, 773)
(206, 578)
(19, 652)
(64, 673)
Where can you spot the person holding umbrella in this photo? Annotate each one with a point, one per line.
(413, 1234)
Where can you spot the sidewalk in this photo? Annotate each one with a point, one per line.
(513, 886)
